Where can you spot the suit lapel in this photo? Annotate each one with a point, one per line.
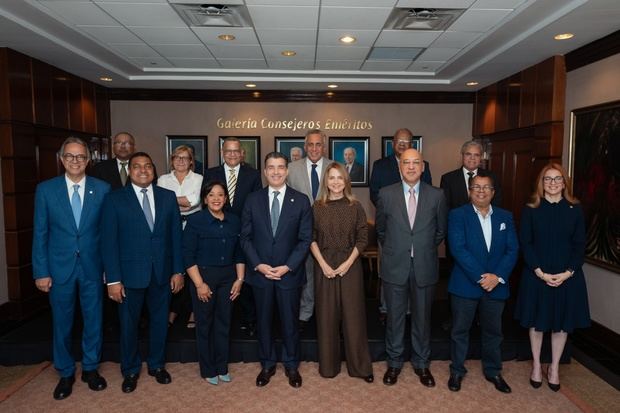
(475, 222)
(89, 198)
(288, 203)
(63, 200)
(264, 204)
(399, 195)
(306, 179)
(159, 208)
(495, 232)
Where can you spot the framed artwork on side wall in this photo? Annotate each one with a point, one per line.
(352, 152)
(250, 150)
(387, 149)
(198, 144)
(292, 147)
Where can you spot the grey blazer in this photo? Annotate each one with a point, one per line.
(298, 178)
(396, 236)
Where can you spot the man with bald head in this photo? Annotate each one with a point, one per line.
(412, 219)
(114, 171)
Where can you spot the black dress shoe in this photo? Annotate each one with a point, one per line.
(294, 378)
(303, 325)
(499, 383)
(161, 375)
(391, 376)
(130, 382)
(95, 381)
(454, 383)
(369, 379)
(64, 388)
(264, 376)
(426, 378)
(382, 318)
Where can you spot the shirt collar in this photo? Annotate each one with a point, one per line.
(70, 183)
(227, 167)
(416, 187)
(465, 171)
(318, 163)
(477, 211)
(138, 189)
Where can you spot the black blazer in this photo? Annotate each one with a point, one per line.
(385, 172)
(108, 171)
(248, 181)
(455, 190)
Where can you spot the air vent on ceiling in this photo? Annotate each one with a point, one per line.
(422, 19)
(213, 15)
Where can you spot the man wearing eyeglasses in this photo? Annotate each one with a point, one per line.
(66, 262)
(483, 242)
(115, 171)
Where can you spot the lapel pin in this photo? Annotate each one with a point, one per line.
(90, 192)
(292, 199)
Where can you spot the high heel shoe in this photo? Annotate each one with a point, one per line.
(535, 384)
(554, 387)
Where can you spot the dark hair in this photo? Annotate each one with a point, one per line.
(276, 155)
(137, 155)
(482, 174)
(208, 187)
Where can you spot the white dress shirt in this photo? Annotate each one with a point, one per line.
(190, 188)
(485, 223)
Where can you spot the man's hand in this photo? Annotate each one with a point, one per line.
(177, 281)
(488, 281)
(279, 272)
(44, 284)
(116, 292)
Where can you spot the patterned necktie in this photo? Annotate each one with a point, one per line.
(412, 207)
(124, 172)
(314, 181)
(76, 205)
(275, 212)
(232, 185)
(146, 207)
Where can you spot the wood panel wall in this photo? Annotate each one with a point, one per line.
(40, 106)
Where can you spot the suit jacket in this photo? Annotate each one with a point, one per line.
(357, 172)
(289, 246)
(108, 171)
(248, 181)
(457, 193)
(385, 172)
(397, 237)
(298, 177)
(132, 253)
(470, 253)
(57, 241)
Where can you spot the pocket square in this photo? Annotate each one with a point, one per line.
(502, 226)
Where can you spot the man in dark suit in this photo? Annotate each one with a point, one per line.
(241, 180)
(276, 234)
(455, 184)
(484, 245)
(141, 246)
(411, 223)
(66, 261)
(354, 168)
(114, 171)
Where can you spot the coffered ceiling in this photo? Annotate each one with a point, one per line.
(421, 45)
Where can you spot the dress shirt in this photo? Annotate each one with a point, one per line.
(81, 189)
(485, 223)
(119, 166)
(319, 168)
(282, 192)
(190, 188)
(466, 177)
(207, 241)
(137, 189)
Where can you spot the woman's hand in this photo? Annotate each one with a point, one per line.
(327, 270)
(236, 289)
(343, 268)
(204, 292)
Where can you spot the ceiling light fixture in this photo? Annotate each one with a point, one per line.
(226, 37)
(288, 53)
(347, 39)
(332, 86)
(471, 83)
(105, 78)
(256, 94)
(330, 94)
(563, 36)
(250, 85)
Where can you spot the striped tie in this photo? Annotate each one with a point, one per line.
(232, 185)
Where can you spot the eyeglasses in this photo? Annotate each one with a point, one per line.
(232, 151)
(182, 158)
(471, 155)
(126, 143)
(556, 179)
(485, 188)
(403, 142)
(69, 157)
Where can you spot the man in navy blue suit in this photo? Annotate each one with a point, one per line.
(276, 234)
(484, 245)
(141, 246)
(66, 261)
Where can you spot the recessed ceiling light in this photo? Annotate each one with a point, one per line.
(250, 85)
(256, 94)
(288, 53)
(563, 36)
(332, 86)
(330, 94)
(227, 37)
(347, 39)
(61, 78)
(471, 83)
(105, 78)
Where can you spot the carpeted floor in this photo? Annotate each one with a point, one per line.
(581, 391)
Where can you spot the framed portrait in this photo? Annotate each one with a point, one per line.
(594, 167)
(353, 154)
(386, 145)
(197, 143)
(292, 147)
(250, 150)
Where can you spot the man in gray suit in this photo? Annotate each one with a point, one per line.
(304, 175)
(412, 219)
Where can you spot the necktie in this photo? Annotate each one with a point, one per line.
(146, 207)
(124, 172)
(471, 175)
(275, 212)
(232, 185)
(411, 208)
(76, 205)
(349, 166)
(314, 181)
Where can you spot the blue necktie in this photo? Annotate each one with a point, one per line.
(275, 212)
(146, 207)
(314, 181)
(76, 205)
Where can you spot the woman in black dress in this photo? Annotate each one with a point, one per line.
(552, 295)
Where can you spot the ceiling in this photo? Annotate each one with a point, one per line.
(148, 44)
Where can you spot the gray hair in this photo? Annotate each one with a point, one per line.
(469, 144)
(316, 132)
(74, 139)
(352, 149)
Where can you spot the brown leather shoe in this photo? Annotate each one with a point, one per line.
(264, 376)
(426, 378)
(391, 376)
(294, 378)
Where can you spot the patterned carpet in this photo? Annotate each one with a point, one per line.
(188, 392)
